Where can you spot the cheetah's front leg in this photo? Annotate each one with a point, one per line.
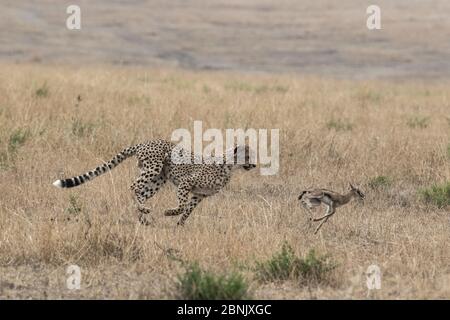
(195, 200)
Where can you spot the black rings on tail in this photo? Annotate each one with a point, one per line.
(111, 164)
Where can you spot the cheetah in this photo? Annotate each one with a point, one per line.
(161, 160)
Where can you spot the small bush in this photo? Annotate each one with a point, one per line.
(206, 89)
(418, 122)
(238, 86)
(82, 129)
(339, 125)
(3, 160)
(369, 95)
(380, 182)
(42, 92)
(198, 284)
(74, 207)
(286, 265)
(17, 139)
(280, 89)
(437, 195)
(258, 89)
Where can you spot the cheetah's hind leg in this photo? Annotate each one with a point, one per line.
(183, 199)
(146, 186)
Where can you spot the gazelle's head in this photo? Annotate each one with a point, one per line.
(356, 192)
(244, 157)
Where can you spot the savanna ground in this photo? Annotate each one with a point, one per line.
(391, 138)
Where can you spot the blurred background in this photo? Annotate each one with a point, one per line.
(325, 37)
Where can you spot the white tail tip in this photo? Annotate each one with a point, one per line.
(58, 183)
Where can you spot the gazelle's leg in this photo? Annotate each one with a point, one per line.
(320, 224)
(330, 211)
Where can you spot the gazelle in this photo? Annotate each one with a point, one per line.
(315, 197)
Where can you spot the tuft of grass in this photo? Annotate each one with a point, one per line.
(285, 265)
(17, 138)
(74, 207)
(258, 89)
(43, 91)
(198, 284)
(448, 151)
(368, 95)
(380, 182)
(206, 89)
(438, 195)
(418, 122)
(3, 160)
(339, 125)
(82, 129)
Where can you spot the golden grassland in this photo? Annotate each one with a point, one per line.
(331, 132)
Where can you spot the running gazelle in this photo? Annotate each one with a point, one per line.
(315, 197)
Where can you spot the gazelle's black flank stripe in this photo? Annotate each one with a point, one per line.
(111, 164)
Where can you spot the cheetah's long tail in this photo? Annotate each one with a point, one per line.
(114, 162)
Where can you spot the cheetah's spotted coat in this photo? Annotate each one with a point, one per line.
(157, 165)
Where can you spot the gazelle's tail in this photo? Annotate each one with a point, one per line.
(301, 195)
(88, 176)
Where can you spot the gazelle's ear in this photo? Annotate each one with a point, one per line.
(351, 186)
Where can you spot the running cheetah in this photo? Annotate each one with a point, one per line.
(161, 160)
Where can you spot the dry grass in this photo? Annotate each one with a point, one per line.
(46, 133)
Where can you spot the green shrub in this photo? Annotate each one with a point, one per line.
(17, 139)
(3, 160)
(280, 89)
(82, 129)
(74, 206)
(369, 95)
(245, 87)
(437, 195)
(286, 265)
(206, 89)
(238, 86)
(339, 125)
(418, 122)
(380, 182)
(42, 92)
(198, 284)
